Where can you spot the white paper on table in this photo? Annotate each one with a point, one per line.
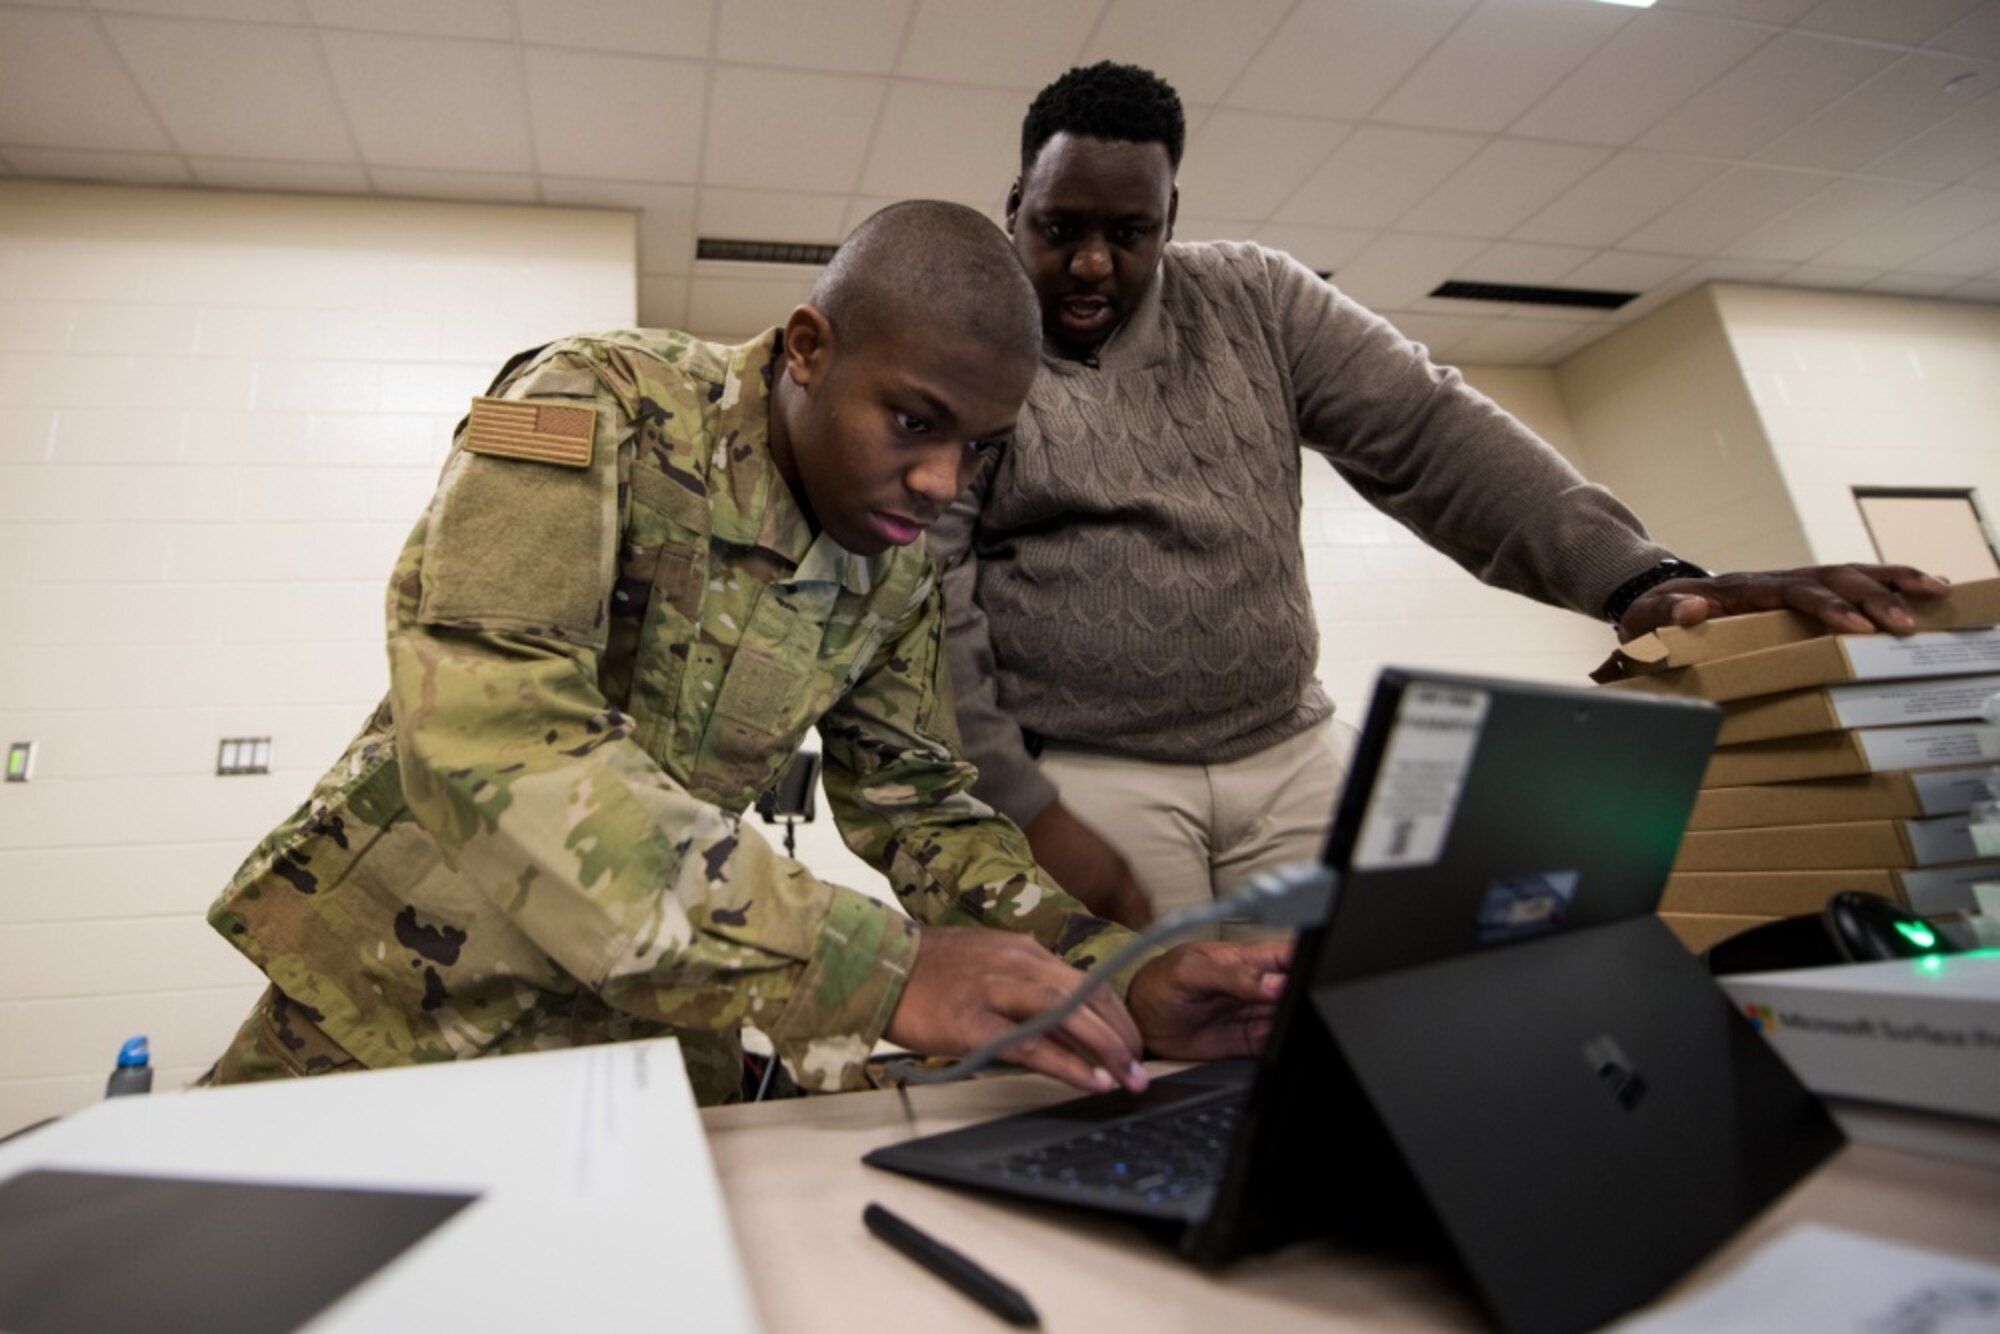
(1830, 1281)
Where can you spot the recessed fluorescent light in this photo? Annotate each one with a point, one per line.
(1629, 4)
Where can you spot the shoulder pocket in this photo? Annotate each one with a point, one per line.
(523, 546)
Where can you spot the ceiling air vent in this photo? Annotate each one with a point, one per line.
(1520, 294)
(763, 252)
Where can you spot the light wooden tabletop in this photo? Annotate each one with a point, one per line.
(792, 1176)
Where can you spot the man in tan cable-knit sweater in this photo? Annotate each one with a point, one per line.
(1132, 641)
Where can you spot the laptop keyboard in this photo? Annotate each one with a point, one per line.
(1154, 1156)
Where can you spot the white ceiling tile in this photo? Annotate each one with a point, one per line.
(435, 18)
(1881, 114)
(1843, 209)
(1022, 44)
(1923, 227)
(771, 215)
(1570, 346)
(629, 27)
(1318, 248)
(783, 130)
(1187, 228)
(1196, 45)
(324, 178)
(1979, 289)
(1829, 277)
(63, 86)
(1654, 64)
(853, 36)
(1911, 22)
(1776, 87)
(1520, 262)
(1967, 257)
(1438, 333)
(1503, 185)
(1396, 270)
(942, 142)
(1376, 175)
(662, 302)
(860, 208)
(1950, 151)
(432, 101)
(1977, 34)
(1501, 60)
(1626, 271)
(236, 89)
(433, 183)
(584, 107)
(733, 306)
(252, 11)
(1515, 342)
(666, 216)
(1903, 283)
(1337, 58)
(1724, 209)
(1244, 165)
(1780, 12)
(60, 164)
(1617, 199)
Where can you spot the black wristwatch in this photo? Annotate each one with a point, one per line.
(1627, 593)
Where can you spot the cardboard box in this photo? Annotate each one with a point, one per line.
(1968, 606)
(1930, 890)
(1699, 930)
(1870, 704)
(1860, 751)
(1909, 1032)
(1883, 796)
(1827, 661)
(1863, 843)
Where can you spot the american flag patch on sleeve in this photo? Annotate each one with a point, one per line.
(557, 433)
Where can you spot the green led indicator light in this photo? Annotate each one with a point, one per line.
(1917, 934)
(20, 758)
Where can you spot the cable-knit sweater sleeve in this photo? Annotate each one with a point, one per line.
(1009, 779)
(1417, 441)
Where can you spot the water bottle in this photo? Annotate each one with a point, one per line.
(134, 1071)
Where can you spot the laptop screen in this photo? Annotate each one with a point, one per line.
(1481, 813)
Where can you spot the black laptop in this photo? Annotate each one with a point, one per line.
(1492, 1049)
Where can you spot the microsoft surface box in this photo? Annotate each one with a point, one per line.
(1492, 1050)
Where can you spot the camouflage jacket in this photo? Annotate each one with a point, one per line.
(535, 841)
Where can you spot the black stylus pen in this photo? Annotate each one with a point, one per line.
(998, 1297)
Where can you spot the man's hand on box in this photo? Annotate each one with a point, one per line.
(1850, 599)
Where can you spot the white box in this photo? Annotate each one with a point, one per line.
(1910, 1032)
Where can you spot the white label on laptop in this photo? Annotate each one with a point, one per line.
(1423, 770)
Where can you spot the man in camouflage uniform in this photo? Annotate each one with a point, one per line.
(651, 564)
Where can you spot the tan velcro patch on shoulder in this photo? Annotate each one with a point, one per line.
(557, 433)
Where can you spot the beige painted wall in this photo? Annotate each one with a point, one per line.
(1869, 391)
(219, 414)
(1666, 421)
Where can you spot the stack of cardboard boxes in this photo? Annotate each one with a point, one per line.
(1844, 761)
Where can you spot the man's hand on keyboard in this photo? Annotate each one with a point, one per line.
(970, 984)
(1210, 999)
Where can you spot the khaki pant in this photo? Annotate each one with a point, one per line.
(1194, 832)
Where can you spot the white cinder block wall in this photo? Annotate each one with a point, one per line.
(219, 415)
